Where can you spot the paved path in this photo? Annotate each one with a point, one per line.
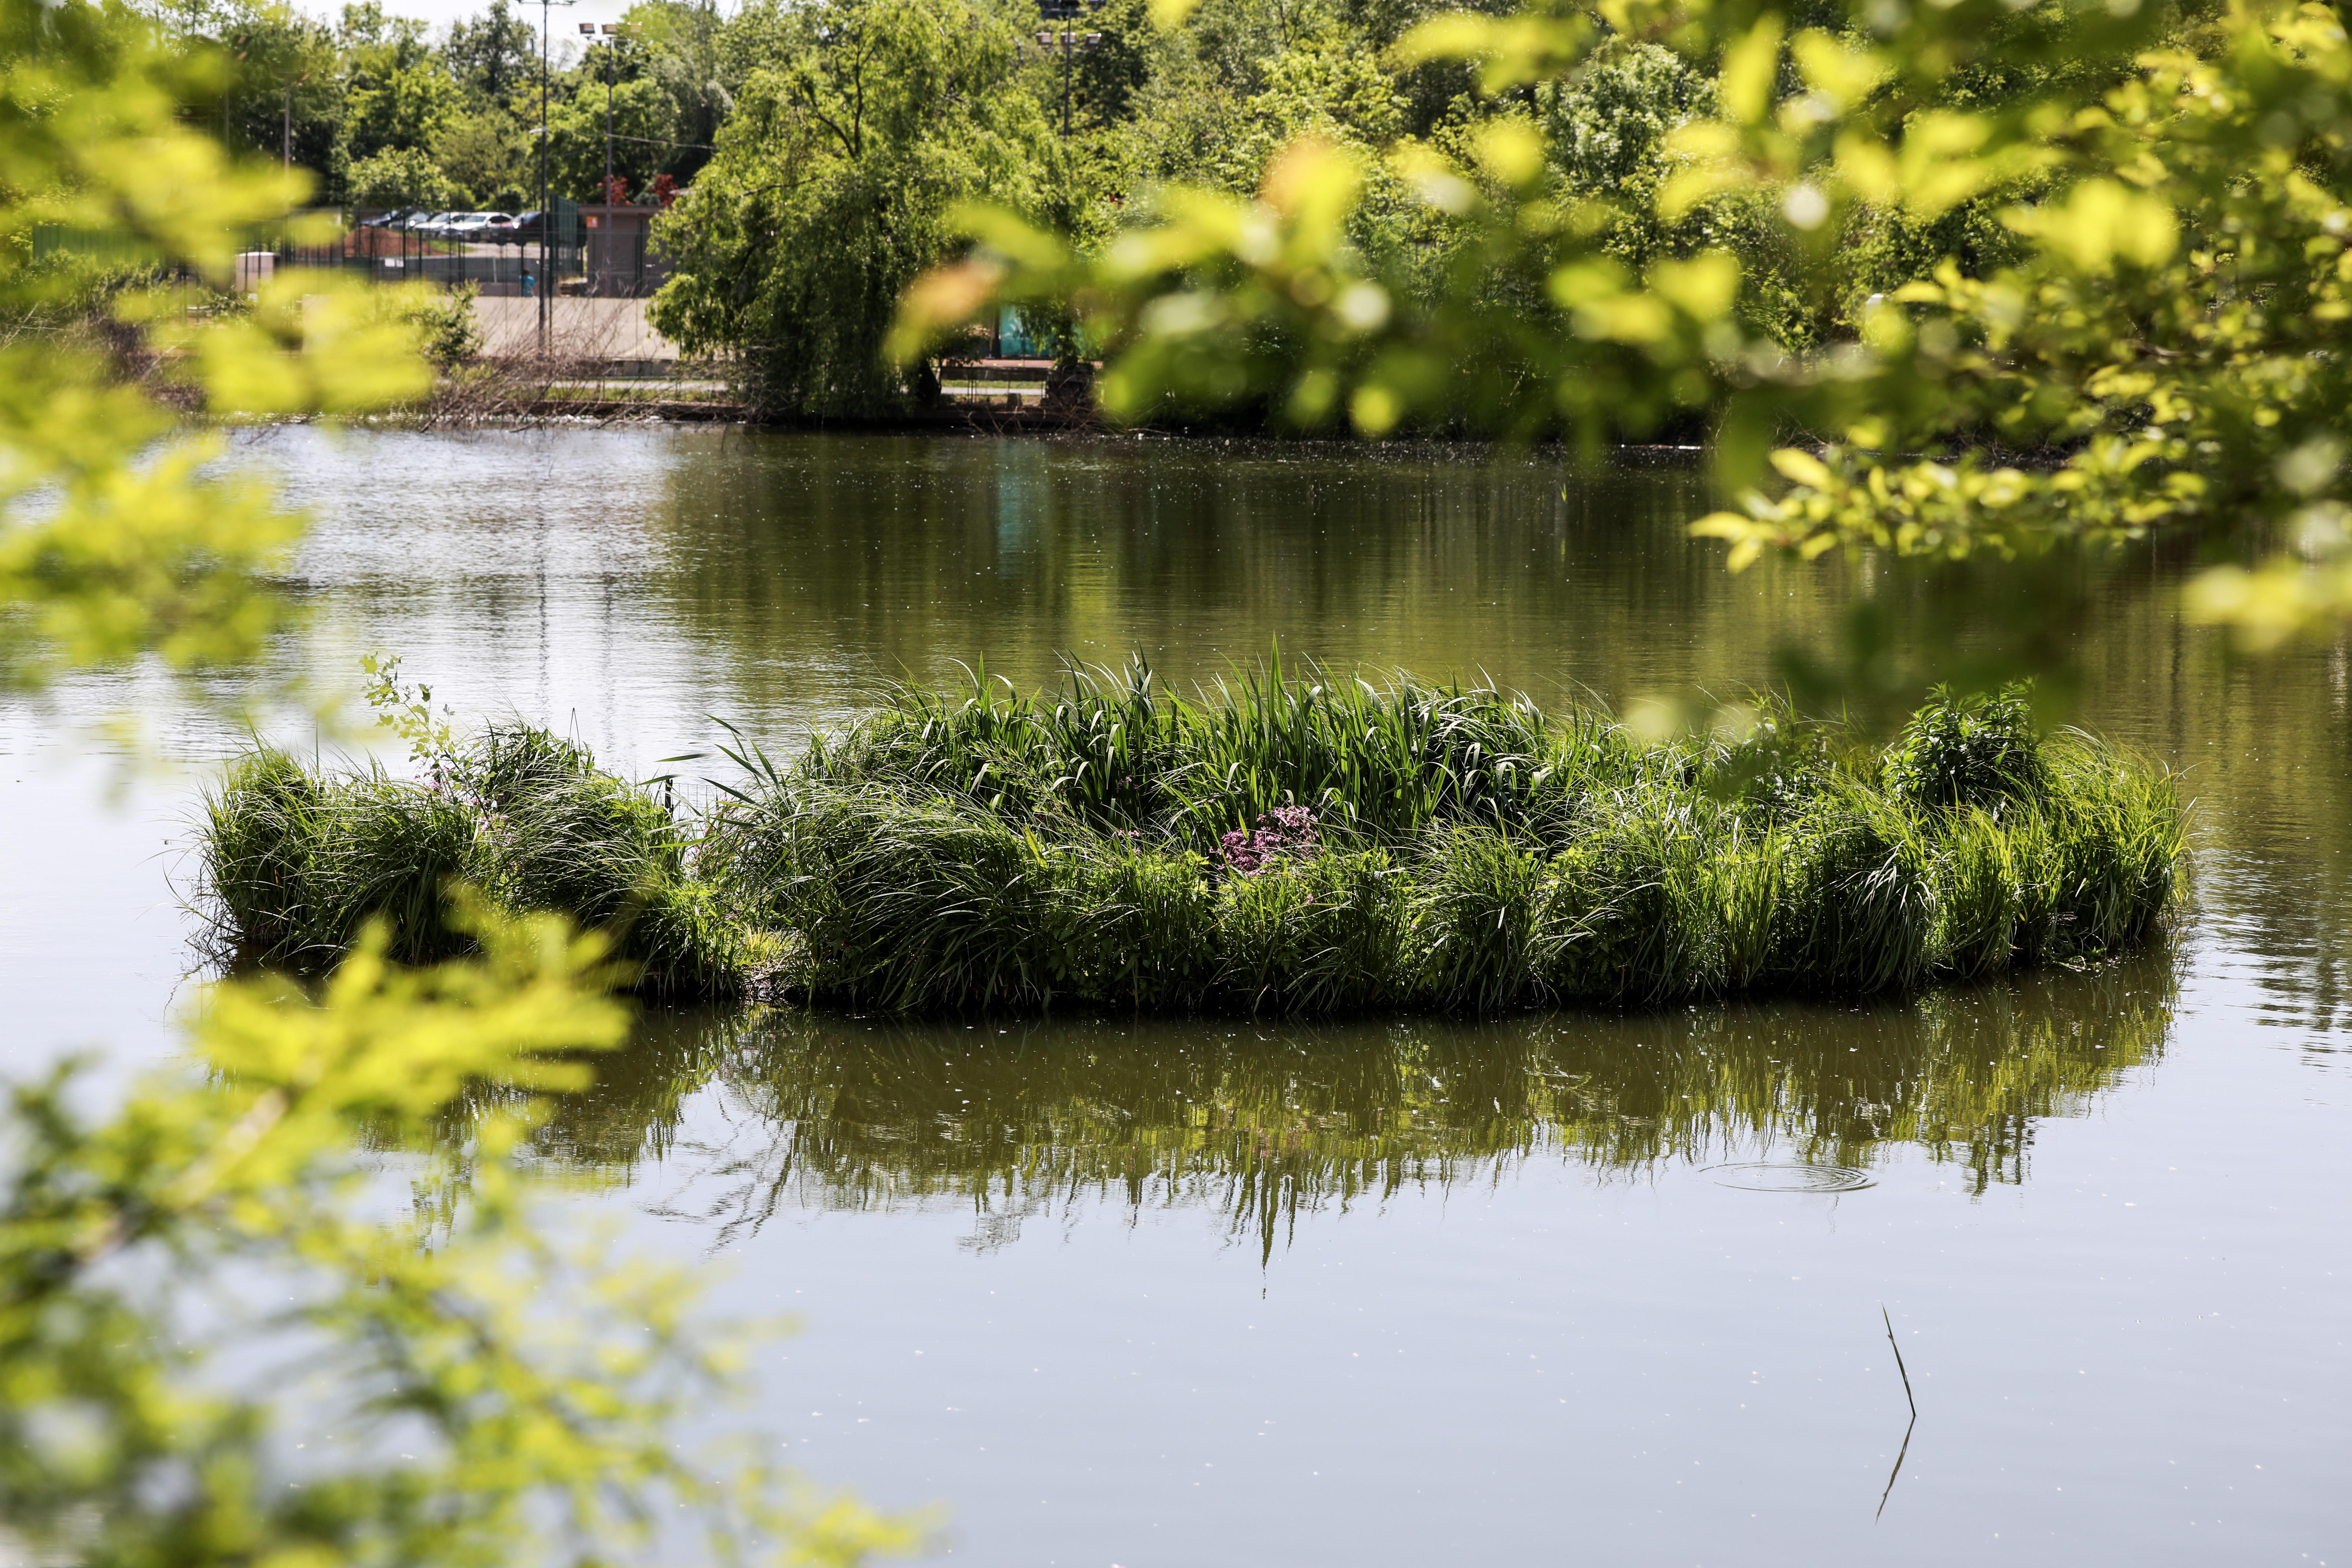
(579, 328)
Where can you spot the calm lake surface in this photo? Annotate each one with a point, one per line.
(1558, 1288)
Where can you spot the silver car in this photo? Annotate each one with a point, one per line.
(477, 225)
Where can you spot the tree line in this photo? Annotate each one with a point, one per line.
(859, 130)
(826, 145)
(1991, 276)
(384, 113)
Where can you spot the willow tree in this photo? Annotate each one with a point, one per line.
(868, 123)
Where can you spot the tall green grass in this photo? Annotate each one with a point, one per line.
(295, 861)
(1284, 842)
(1104, 843)
(1115, 750)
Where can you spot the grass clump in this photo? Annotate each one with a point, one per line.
(1282, 843)
(1301, 844)
(1629, 918)
(297, 860)
(296, 863)
(907, 902)
(1855, 913)
(1309, 935)
(1480, 897)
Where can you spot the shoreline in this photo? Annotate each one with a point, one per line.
(1027, 423)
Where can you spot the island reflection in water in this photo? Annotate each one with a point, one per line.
(728, 1119)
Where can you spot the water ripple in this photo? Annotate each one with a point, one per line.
(1764, 1177)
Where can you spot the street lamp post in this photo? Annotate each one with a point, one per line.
(546, 210)
(614, 33)
(1067, 42)
(1083, 43)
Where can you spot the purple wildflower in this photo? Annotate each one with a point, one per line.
(1286, 833)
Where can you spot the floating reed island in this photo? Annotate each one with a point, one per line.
(1273, 845)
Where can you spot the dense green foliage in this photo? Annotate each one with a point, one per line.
(2022, 282)
(1284, 846)
(1082, 143)
(2008, 280)
(219, 1344)
(864, 124)
(383, 113)
(1963, 753)
(1320, 845)
(298, 866)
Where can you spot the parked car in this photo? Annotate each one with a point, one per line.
(474, 226)
(526, 230)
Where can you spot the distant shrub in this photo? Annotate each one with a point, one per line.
(1962, 752)
(446, 330)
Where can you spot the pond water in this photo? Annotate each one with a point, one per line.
(1559, 1289)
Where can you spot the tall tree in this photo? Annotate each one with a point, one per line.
(683, 41)
(832, 187)
(397, 93)
(492, 55)
(286, 82)
(2150, 346)
(614, 91)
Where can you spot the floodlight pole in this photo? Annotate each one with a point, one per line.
(1066, 12)
(546, 209)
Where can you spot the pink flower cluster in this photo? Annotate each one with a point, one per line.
(1286, 832)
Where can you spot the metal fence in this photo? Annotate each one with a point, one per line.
(103, 247)
(390, 252)
(379, 252)
(622, 263)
